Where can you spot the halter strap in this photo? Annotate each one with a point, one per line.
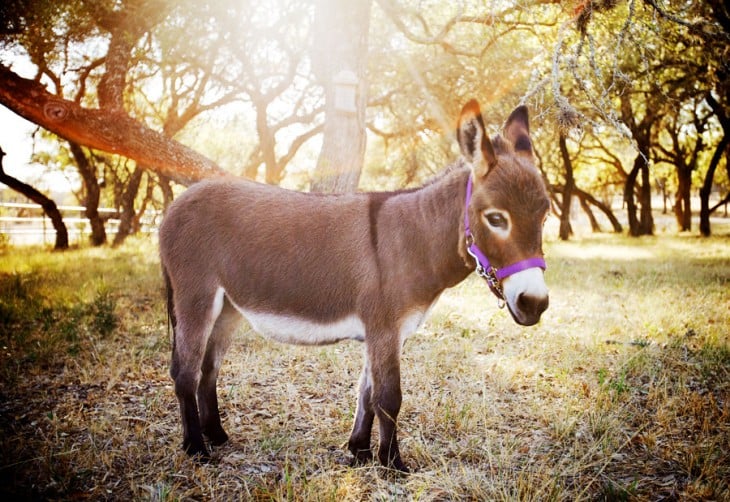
(492, 275)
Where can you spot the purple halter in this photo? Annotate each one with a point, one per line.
(484, 269)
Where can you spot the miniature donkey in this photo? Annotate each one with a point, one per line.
(315, 269)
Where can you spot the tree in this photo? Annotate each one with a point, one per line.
(609, 69)
(641, 131)
(92, 193)
(341, 43)
(686, 143)
(108, 127)
(568, 190)
(111, 102)
(109, 131)
(723, 147)
(672, 44)
(47, 204)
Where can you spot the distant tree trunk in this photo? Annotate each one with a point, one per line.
(685, 158)
(641, 132)
(127, 205)
(93, 194)
(722, 147)
(595, 227)
(706, 189)
(267, 145)
(341, 43)
(682, 204)
(662, 183)
(585, 196)
(47, 204)
(646, 224)
(148, 197)
(630, 201)
(565, 229)
(166, 188)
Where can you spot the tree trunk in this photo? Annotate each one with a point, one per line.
(641, 132)
(603, 207)
(166, 189)
(629, 195)
(565, 229)
(267, 144)
(663, 187)
(644, 223)
(113, 132)
(127, 203)
(682, 204)
(139, 215)
(722, 147)
(706, 189)
(595, 227)
(93, 194)
(342, 42)
(47, 204)
(647, 218)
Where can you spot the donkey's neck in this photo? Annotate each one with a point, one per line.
(420, 234)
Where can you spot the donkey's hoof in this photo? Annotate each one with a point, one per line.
(361, 457)
(197, 450)
(217, 437)
(394, 471)
(396, 466)
(400, 467)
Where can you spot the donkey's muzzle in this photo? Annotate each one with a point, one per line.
(529, 308)
(526, 295)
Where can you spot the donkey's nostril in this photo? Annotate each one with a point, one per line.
(532, 306)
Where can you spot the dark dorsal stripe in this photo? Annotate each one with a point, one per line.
(376, 201)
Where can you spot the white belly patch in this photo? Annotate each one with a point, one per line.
(296, 330)
(300, 331)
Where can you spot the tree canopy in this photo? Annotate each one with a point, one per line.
(625, 95)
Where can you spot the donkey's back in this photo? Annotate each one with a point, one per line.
(268, 251)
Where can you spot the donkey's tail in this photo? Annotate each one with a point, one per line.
(171, 319)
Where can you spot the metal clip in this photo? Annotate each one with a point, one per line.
(488, 274)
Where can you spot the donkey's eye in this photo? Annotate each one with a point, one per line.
(496, 220)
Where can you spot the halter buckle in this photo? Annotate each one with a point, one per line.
(488, 273)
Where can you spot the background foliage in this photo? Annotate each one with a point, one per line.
(637, 89)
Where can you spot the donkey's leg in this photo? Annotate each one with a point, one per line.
(195, 315)
(387, 397)
(218, 343)
(359, 443)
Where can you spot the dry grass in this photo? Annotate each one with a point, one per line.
(621, 392)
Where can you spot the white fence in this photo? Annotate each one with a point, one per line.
(22, 224)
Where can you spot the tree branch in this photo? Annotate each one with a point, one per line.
(113, 132)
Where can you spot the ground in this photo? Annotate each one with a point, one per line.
(621, 392)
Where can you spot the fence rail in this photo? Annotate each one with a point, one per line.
(24, 223)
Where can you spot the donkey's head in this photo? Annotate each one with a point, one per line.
(505, 212)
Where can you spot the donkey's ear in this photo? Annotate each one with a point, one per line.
(473, 140)
(517, 131)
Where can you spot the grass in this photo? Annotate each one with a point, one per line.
(620, 393)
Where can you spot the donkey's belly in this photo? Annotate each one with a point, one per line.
(300, 331)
